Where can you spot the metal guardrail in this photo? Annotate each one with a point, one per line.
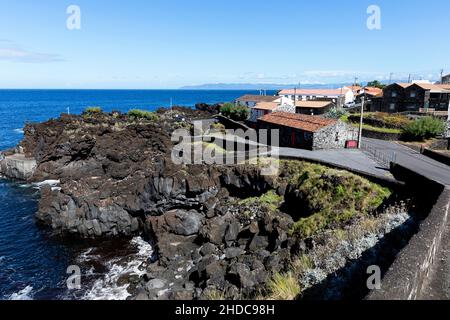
(383, 158)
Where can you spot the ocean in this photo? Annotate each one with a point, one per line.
(33, 263)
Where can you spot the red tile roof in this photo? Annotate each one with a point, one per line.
(297, 121)
(373, 91)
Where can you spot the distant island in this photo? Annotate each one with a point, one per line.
(259, 86)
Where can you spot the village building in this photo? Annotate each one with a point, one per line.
(338, 96)
(250, 101)
(418, 97)
(308, 132)
(261, 109)
(313, 107)
(373, 98)
(445, 79)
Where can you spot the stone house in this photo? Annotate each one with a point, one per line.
(308, 132)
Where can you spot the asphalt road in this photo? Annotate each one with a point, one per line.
(413, 160)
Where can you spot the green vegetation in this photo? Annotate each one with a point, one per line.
(424, 128)
(382, 120)
(302, 264)
(336, 113)
(215, 295)
(283, 287)
(218, 127)
(238, 113)
(92, 110)
(379, 129)
(213, 148)
(331, 197)
(376, 84)
(270, 202)
(142, 115)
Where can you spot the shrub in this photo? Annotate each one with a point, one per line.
(336, 113)
(92, 110)
(283, 287)
(376, 84)
(218, 127)
(215, 295)
(424, 128)
(238, 113)
(142, 114)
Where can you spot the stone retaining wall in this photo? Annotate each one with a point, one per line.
(381, 135)
(410, 272)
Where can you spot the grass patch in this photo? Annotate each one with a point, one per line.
(368, 127)
(331, 197)
(269, 201)
(283, 287)
(215, 295)
(302, 264)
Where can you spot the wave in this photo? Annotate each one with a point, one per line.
(54, 184)
(20, 130)
(108, 286)
(24, 294)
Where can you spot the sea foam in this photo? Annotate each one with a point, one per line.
(24, 294)
(107, 288)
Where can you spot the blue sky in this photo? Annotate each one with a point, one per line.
(171, 43)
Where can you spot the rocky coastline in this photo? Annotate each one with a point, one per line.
(217, 232)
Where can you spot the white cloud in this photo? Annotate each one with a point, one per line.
(15, 54)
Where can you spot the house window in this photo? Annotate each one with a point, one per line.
(392, 107)
(413, 94)
(394, 94)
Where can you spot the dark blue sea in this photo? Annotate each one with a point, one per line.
(33, 262)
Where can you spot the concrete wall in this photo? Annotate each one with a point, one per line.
(17, 167)
(445, 159)
(410, 272)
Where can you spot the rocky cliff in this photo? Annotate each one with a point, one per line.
(215, 229)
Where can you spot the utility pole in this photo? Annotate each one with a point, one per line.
(361, 120)
(295, 95)
(390, 77)
(442, 76)
(409, 78)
